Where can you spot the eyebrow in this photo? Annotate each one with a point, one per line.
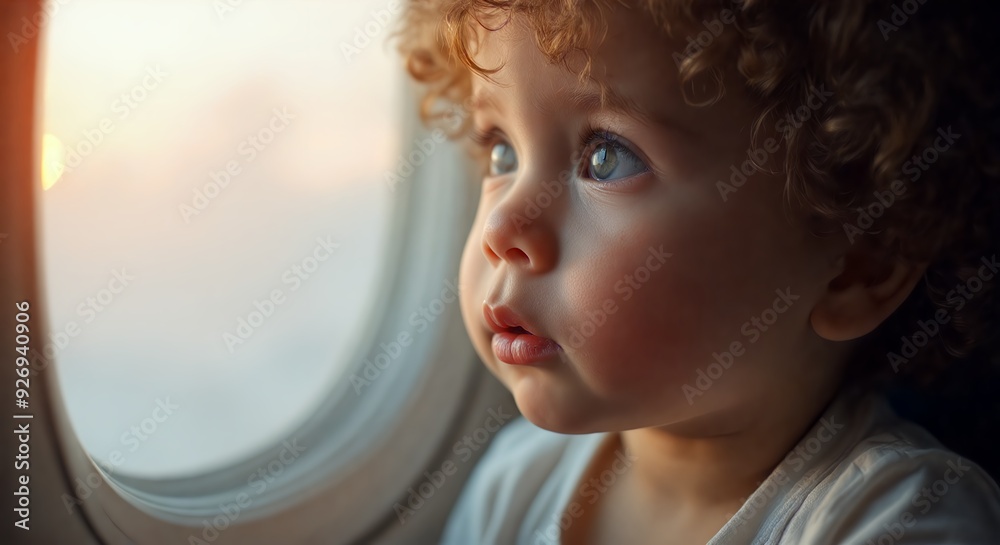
(482, 100)
(579, 100)
(612, 100)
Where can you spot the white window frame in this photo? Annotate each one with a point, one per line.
(344, 486)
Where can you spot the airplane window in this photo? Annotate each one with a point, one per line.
(215, 217)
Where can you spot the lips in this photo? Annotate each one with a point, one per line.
(513, 341)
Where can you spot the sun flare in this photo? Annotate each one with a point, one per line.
(53, 165)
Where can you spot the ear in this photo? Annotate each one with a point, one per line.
(868, 289)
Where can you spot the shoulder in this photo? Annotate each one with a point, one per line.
(900, 486)
(520, 474)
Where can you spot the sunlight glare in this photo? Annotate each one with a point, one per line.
(53, 165)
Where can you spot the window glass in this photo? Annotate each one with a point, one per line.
(215, 216)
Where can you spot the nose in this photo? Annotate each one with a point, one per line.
(522, 229)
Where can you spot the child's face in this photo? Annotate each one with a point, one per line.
(635, 265)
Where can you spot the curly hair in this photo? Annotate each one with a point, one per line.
(903, 156)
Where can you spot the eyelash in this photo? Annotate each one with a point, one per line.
(590, 136)
(485, 139)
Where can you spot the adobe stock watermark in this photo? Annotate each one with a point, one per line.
(249, 149)
(30, 27)
(122, 107)
(753, 329)
(592, 490)
(533, 207)
(259, 480)
(406, 166)
(794, 462)
(626, 287)
(740, 174)
(550, 191)
(366, 33)
(420, 320)
(900, 16)
(922, 502)
(915, 167)
(225, 7)
(133, 438)
(909, 346)
(293, 277)
(88, 310)
(418, 496)
(457, 114)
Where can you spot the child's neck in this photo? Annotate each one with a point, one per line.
(723, 467)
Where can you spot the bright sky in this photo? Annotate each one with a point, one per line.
(154, 97)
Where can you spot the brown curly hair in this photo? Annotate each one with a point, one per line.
(903, 75)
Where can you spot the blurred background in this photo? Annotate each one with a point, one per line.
(214, 216)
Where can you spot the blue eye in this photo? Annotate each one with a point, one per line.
(503, 159)
(611, 160)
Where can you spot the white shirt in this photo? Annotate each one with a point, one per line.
(861, 476)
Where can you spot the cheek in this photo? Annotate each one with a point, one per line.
(470, 276)
(637, 314)
(474, 273)
(644, 325)
(642, 335)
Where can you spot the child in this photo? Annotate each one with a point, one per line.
(710, 235)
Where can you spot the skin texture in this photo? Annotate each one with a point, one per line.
(562, 267)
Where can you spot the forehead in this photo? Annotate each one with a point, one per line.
(631, 62)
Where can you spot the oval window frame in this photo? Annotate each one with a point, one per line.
(429, 206)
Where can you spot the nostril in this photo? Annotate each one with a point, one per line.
(516, 255)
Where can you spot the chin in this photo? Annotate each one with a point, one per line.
(566, 413)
